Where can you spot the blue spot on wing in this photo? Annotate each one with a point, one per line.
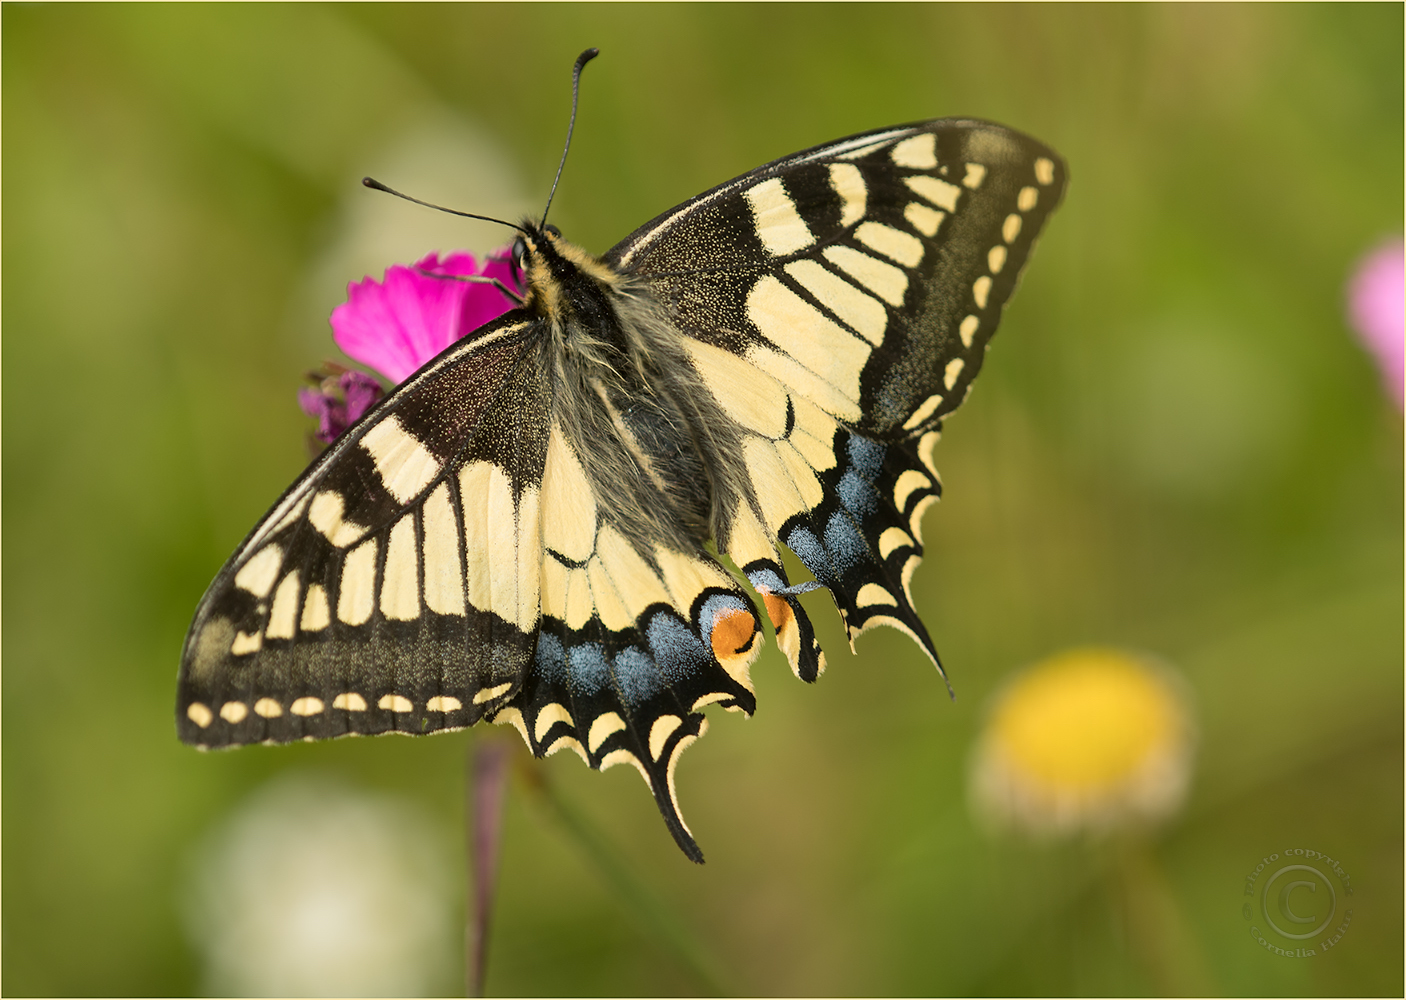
(858, 494)
(589, 670)
(808, 549)
(866, 456)
(551, 658)
(636, 676)
(766, 577)
(679, 653)
(846, 546)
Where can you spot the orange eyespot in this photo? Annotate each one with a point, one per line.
(732, 633)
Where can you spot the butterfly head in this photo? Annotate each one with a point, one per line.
(526, 246)
(554, 270)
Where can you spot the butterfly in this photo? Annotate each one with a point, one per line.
(539, 527)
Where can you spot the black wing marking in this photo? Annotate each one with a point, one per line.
(626, 685)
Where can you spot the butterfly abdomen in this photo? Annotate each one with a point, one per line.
(610, 353)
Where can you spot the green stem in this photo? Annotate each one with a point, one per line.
(650, 912)
(1156, 927)
(484, 786)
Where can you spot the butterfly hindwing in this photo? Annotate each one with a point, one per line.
(626, 685)
(849, 506)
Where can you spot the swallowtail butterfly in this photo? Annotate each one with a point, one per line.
(529, 529)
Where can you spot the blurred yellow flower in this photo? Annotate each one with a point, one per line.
(1089, 739)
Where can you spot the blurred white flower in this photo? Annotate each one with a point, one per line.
(1090, 739)
(313, 889)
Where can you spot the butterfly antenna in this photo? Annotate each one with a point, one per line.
(376, 185)
(581, 61)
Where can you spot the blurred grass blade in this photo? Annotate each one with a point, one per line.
(1155, 925)
(485, 784)
(650, 912)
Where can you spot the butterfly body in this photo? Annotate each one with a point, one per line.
(525, 529)
(624, 393)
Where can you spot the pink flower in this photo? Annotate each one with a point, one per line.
(398, 324)
(1376, 309)
(341, 397)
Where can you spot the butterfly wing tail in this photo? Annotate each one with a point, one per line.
(794, 633)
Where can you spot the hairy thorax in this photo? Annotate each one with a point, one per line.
(629, 402)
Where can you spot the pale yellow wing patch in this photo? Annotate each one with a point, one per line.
(503, 537)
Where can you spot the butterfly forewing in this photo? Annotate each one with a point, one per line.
(375, 595)
(879, 264)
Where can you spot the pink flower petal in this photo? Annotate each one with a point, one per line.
(485, 303)
(329, 412)
(398, 324)
(362, 391)
(338, 401)
(1377, 307)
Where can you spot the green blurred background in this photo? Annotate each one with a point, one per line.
(1175, 446)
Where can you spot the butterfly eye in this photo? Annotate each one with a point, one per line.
(519, 252)
(551, 230)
